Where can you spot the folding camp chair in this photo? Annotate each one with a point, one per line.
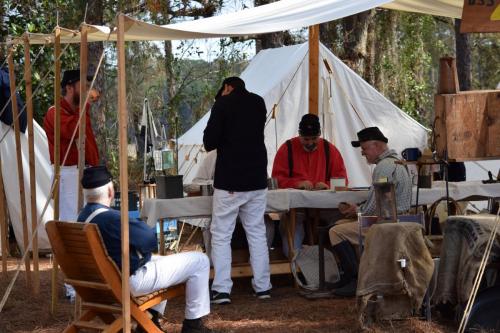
(80, 252)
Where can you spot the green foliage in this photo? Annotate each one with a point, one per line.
(22, 16)
(486, 60)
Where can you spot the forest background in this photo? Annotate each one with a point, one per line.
(396, 52)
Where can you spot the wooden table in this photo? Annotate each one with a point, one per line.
(289, 200)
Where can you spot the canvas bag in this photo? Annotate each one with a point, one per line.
(306, 261)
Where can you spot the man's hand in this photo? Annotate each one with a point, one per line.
(305, 185)
(320, 186)
(348, 209)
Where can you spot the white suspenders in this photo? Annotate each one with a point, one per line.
(95, 213)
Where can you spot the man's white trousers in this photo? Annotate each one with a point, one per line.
(68, 194)
(250, 207)
(161, 272)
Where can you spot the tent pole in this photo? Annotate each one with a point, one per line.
(4, 230)
(20, 172)
(82, 132)
(31, 152)
(313, 68)
(83, 95)
(123, 153)
(57, 153)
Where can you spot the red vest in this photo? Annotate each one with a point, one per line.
(69, 121)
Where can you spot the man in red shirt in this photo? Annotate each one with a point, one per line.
(70, 113)
(307, 162)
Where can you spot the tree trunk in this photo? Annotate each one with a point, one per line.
(329, 36)
(356, 31)
(384, 79)
(95, 12)
(463, 54)
(273, 39)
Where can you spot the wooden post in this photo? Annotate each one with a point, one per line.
(81, 132)
(57, 154)
(448, 77)
(123, 153)
(31, 152)
(3, 224)
(313, 69)
(20, 172)
(57, 125)
(83, 95)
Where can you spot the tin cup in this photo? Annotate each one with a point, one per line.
(337, 184)
(207, 189)
(272, 183)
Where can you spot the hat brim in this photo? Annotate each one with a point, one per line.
(356, 144)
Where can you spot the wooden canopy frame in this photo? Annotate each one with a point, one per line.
(122, 134)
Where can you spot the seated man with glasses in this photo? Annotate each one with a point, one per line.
(306, 162)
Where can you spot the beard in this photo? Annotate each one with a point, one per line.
(310, 147)
(76, 100)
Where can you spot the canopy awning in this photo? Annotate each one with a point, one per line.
(277, 16)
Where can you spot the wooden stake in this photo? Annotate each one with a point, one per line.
(123, 153)
(4, 230)
(20, 172)
(83, 95)
(81, 133)
(31, 152)
(57, 125)
(57, 155)
(313, 69)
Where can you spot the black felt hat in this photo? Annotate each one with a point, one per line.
(95, 176)
(309, 125)
(72, 76)
(368, 134)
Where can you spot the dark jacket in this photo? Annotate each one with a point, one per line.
(236, 129)
(142, 239)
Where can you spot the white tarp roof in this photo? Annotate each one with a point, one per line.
(44, 174)
(269, 74)
(277, 16)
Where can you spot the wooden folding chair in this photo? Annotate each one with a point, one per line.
(80, 252)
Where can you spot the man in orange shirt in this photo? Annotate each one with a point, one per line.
(70, 113)
(306, 162)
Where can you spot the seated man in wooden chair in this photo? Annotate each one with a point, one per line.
(344, 236)
(148, 273)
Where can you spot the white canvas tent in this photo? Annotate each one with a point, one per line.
(348, 105)
(44, 174)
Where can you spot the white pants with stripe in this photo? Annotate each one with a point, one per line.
(161, 272)
(250, 206)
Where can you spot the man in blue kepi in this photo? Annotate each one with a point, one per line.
(148, 273)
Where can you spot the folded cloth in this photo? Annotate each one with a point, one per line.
(382, 277)
(462, 250)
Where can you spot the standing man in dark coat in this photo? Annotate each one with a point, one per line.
(236, 129)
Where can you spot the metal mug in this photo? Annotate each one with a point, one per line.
(411, 154)
(207, 189)
(272, 183)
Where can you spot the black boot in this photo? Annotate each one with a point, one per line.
(348, 262)
(155, 318)
(347, 290)
(195, 326)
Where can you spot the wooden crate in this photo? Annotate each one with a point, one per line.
(467, 125)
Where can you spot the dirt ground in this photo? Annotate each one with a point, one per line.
(285, 312)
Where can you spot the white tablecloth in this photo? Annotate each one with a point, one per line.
(196, 207)
(458, 191)
(283, 200)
